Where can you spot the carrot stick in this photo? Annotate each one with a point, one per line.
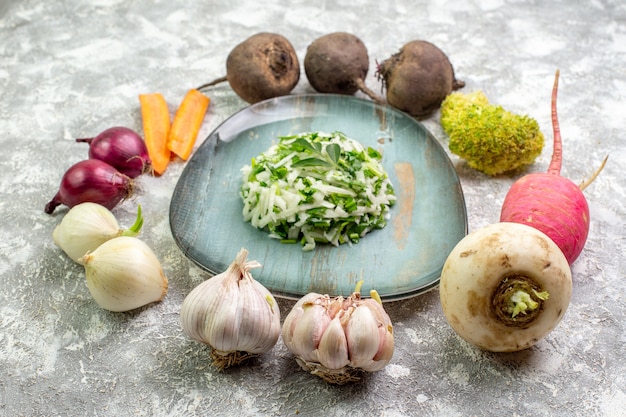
(187, 123)
(156, 128)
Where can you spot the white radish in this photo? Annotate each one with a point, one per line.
(504, 287)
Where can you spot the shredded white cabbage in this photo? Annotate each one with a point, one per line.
(317, 187)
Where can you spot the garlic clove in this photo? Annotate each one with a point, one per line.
(294, 316)
(385, 330)
(385, 352)
(124, 274)
(219, 329)
(333, 346)
(244, 325)
(258, 319)
(362, 336)
(290, 324)
(309, 330)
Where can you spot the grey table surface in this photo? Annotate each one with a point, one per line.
(72, 68)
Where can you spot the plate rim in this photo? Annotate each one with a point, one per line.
(214, 137)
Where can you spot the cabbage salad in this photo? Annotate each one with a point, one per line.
(317, 188)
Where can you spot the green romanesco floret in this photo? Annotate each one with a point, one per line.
(491, 139)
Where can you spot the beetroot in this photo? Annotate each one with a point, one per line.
(263, 66)
(338, 63)
(418, 78)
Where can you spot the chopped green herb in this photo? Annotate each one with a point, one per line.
(311, 162)
(334, 152)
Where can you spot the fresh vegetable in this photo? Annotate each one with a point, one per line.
(124, 274)
(491, 139)
(505, 286)
(317, 187)
(187, 123)
(418, 78)
(156, 127)
(232, 313)
(338, 63)
(122, 148)
(261, 67)
(338, 339)
(549, 202)
(91, 180)
(88, 225)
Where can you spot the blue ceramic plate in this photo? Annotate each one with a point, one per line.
(402, 260)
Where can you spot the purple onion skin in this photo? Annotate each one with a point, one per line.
(91, 180)
(122, 148)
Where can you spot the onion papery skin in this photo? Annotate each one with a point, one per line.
(92, 180)
(122, 148)
(124, 274)
(84, 228)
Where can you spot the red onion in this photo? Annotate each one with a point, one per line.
(122, 148)
(91, 180)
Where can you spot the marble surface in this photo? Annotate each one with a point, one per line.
(72, 68)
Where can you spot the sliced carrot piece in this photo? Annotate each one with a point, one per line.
(156, 128)
(187, 123)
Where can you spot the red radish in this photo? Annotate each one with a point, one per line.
(91, 180)
(550, 203)
(122, 148)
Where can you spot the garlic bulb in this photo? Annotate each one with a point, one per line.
(233, 313)
(124, 274)
(88, 225)
(339, 338)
